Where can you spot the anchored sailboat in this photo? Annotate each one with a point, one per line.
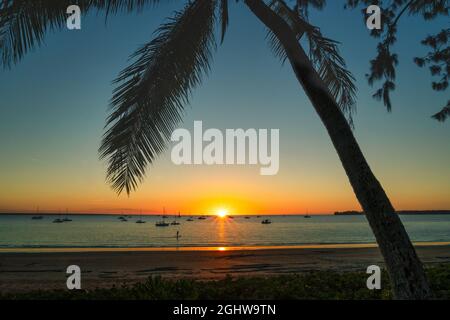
(162, 223)
(140, 218)
(37, 216)
(175, 222)
(66, 219)
(307, 215)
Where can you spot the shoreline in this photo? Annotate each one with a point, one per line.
(205, 248)
(26, 272)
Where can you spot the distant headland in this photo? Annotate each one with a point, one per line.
(411, 212)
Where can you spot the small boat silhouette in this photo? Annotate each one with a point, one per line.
(66, 219)
(38, 217)
(162, 223)
(164, 216)
(266, 221)
(140, 217)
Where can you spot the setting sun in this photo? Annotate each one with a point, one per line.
(222, 213)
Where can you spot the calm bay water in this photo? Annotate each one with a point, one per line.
(18, 231)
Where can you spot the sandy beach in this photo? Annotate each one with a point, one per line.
(25, 271)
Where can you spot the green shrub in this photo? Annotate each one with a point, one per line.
(309, 285)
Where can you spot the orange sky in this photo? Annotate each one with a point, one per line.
(206, 189)
(50, 136)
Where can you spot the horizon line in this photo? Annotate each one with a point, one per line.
(349, 212)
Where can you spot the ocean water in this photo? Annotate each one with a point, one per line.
(20, 231)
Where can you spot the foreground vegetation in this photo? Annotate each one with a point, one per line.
(310, 285)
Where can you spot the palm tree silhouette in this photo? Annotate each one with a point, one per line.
(148, 102)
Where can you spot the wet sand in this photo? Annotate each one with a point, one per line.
(31, 270)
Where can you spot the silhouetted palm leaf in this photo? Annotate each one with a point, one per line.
(324, 53)
(23, 23)
(223, 18)
(151, 93)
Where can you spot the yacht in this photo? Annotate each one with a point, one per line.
(175, 222)
(140, 217)
(37, 217)
(161, 223)
(66, 219)
(164, 216)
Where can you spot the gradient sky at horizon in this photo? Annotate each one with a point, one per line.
(53, 106)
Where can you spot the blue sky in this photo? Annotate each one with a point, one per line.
(54, 105)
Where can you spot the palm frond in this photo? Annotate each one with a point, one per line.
(148, 102)
(291, 17)
(116, 6)
(24, 23)
(332, 68)
(324, 53)
(224, 17)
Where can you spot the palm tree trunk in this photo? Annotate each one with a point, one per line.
(405, 270)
